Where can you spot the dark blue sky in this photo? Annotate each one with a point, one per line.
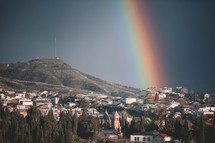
(86, 39)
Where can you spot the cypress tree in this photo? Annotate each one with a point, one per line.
(68, 137)
(186, 133)
(201, 131)
(75, 124)
(213, 129)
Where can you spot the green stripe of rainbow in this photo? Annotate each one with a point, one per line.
(144, 56)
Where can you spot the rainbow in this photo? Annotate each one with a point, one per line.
(137, 40)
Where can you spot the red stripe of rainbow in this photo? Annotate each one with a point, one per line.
(142, 49)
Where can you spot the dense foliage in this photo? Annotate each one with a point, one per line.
(14, 128)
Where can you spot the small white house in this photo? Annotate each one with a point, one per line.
(145, 137)
(71, 104)
(92, 111)
(162, 96)
(165, 90)
(130, 100)
(27, 103)
(173, 104)
(148, 106)
(2, 96)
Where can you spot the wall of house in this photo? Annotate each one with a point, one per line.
(140, 138)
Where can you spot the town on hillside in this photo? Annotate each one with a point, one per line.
(155, 116)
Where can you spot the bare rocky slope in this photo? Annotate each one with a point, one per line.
(55, 74)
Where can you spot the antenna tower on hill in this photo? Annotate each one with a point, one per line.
(55, 40)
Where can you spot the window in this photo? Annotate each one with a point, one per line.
(136, 138)
(148, 138)
(144, 138)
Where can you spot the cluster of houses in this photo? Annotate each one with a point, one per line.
(165, 101)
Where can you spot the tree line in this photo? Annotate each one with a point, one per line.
(34, 128)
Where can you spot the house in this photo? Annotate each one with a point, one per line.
(130, 100)
(21, 93)
(11, 96)
(91, 111)
(55, 99)
(148, 106)
(56, 113)
(102, 96)
(111, 133)
(161, 96)
(71, 104)
(151, 98)
(26, 102)
(33, 94)
(77, 111)
(107, 102)
(165, 90)
(148, 137)
(142, 137)
(173, 104)
(10, 92)
(129, 119)
(2, 96)
(162, 138)
(44, 92)
(151, 90)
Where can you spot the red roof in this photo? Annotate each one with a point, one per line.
(57, 112)
(209, 124)
(151, 97)
(164, 135)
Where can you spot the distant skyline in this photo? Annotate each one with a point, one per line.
(87, 36)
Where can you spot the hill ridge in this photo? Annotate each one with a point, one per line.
(57, 72)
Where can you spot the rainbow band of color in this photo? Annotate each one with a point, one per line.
(140, 46)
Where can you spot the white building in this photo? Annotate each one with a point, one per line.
(33, 94)
(2, 96)
(206, 96)
(21, 93)
(55, 100)
(102, 96)
(173, 104)
(71, 104)
(146, 137)
(148, 106)
(130, 100)
(161, 96)
(27, 103)
(92, 111)
(165, 90)
(142, 137)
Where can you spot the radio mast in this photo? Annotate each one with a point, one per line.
(55, 40)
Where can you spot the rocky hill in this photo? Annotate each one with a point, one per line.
(53, 73)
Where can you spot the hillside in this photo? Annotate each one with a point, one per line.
(56, 73)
